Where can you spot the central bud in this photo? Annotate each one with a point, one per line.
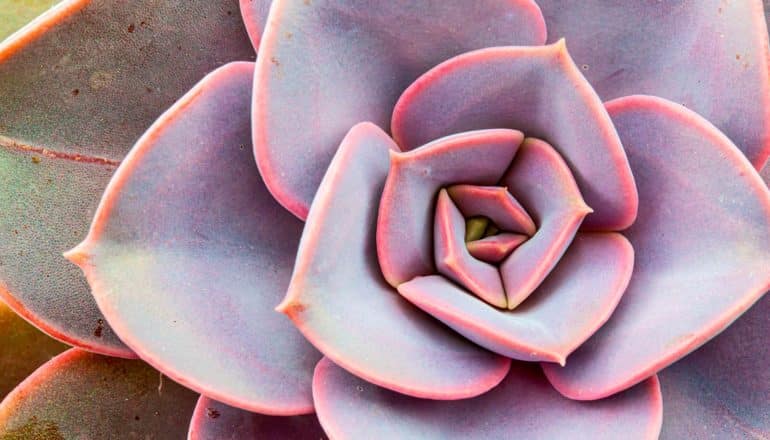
(476, 228)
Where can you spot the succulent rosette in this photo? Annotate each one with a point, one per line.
(402, 219)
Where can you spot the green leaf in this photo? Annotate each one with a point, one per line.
(16, 13)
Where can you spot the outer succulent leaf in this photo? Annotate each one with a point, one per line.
(405, 222)
(254, 13)
(709, 55)
(720, 390)
(495, 203)
(540, 91)
(189, 254)
(524, 405)
(702, 244)
(542, 182)
(495, 248)
(46, 201)
(16, 13)
(455, 262)
(572, 303)
(83, 395)
(111, 67)
(341, 303)
(214, 420)
(77, 88)
(23, 348)
(326, 65)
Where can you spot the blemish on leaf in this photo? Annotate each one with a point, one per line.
(35, 159)
(275, 61)
(75, 92)
(131, 28)
(99, 328)
(212, 413)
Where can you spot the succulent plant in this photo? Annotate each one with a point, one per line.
(386, 219)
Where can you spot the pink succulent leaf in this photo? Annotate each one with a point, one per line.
(254, 13)
(572, 303)
(702, 244)
(189, 254)
(541, 181)
(327, 65)
(495, 203)
(539, 91)
(23, 348)
(709, 55)
(79, 85)
(720, 390)
(87, 396)
(214, 420)
(405, 221)
(495, 248)
(455, 262)
(524, 405)
(341, 303)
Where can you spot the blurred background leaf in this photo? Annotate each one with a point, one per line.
(16, 13)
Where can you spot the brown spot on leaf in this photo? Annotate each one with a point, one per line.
(35, 159)
(99, 328)
(131, 28)
(212, 413)
(75, 92)
(275, 61)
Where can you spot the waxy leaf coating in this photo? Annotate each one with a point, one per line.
(523, 406)
(702, 244)
(341, 303)
(189, 254)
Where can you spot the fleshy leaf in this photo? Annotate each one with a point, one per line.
(77, 88)
(720, 390)
(709, 55)
(455, 262)
(327, 65)
(189, 254)
(539, 91)
(23, 348)
(523, 406)
(214, 420)
(341, 303)
(542, 182)
(254, 13)
(495, 248)
(572, 303)
(495, 203)
(83, 395)
(702, 243)
(46, 202)
(405, 222)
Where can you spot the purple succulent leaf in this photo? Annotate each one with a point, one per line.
(453, 259)
(709, 55)
(84, 395)
(495, 248)
(341, 303)
(702, 244)
(189, 254)
(79, 85)
(327, 65)
(539, 91)
(543, 183)
(572, 303)
(720, 390)
(495, 203)
(214, 420)
(405, 221)
(254, 13)
(524, 405)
